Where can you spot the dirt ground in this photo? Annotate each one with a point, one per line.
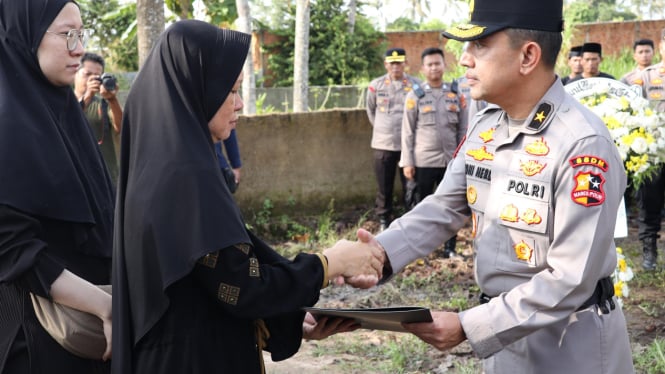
(644, 309)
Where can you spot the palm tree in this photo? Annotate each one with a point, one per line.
(244, 23)
(301, 57)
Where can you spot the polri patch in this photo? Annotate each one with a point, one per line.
(588, 190)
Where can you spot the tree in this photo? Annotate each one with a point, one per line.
(114, 34)
(301, 57)
(249, 82)
(150, 24)
(582, 11)
(335, 56)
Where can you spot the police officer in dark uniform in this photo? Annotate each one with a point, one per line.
(385, 107)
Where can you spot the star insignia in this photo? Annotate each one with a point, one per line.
(540, 116)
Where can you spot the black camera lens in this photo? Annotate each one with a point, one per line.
(108, 81)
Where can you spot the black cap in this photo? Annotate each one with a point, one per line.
(575, 51)
(395, 55)
(592, 47)
(490, 16)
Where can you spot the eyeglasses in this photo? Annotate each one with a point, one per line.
(73, 36)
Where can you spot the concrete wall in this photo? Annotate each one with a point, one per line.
(307, 159)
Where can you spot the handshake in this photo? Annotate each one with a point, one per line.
(359, 263)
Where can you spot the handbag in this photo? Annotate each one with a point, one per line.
(78, 332)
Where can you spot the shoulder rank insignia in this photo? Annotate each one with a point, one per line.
(588, 190)
(587, 160)
(543, 111)
(480, 154)
(538, 148)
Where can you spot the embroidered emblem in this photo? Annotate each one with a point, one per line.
(538, 148)
(638, 82)
(453, 108)
(588, 190)
(474, 225)
(531, 217)
(471, 195)
(480, 154)
(587, 160)
(523, 252)
(466, 31)
(451, 95)
(487, 136)
(427, 109)
(657, 81)
(243, 247)
(655, 95)
(209, 260)
(228, 294)
(531, 167)
(509, 213)
(543, 111)
(254, 267)
(410, 104)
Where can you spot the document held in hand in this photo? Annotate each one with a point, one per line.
(390, 319)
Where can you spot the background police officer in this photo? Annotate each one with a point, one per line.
(650, 194)
(385, 107)
(434, 123)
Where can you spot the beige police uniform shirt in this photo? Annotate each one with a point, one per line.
(632, 77)
(432, 127)
(543, 205)
(653, 85)
(385, 108)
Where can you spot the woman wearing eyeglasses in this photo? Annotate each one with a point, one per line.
(56, 198)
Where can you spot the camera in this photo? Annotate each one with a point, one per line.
(108, 81)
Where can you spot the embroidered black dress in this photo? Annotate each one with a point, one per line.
(56, 198)
(193, 290)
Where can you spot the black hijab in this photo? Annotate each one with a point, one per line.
(50, 165)
(173, 204)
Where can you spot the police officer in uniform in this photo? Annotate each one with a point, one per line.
(434, 123)
(541, 180)
(461, 86)
(385, 108)
(643, 56)
(650, 194)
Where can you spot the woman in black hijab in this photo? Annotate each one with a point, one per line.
(56, 199)
(194, 291)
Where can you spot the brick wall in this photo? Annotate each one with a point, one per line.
(614, 36)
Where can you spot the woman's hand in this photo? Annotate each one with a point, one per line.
(313, 329)
(349, 259)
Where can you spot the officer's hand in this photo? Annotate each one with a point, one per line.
(409, 172)
(444, 332)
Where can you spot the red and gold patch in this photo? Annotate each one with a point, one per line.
(487, 136)
(538, 148)
(588, 160)
(531, 167)
(480, 154)
(588, 190)
(523, 252)
(509, 213)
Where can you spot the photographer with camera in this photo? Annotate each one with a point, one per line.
(104, 113)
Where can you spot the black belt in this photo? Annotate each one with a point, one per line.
(602, 296)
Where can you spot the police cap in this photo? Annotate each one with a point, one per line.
(395, 55)
(490, 16)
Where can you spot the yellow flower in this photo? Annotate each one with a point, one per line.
(618, 289)
(621, 263)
